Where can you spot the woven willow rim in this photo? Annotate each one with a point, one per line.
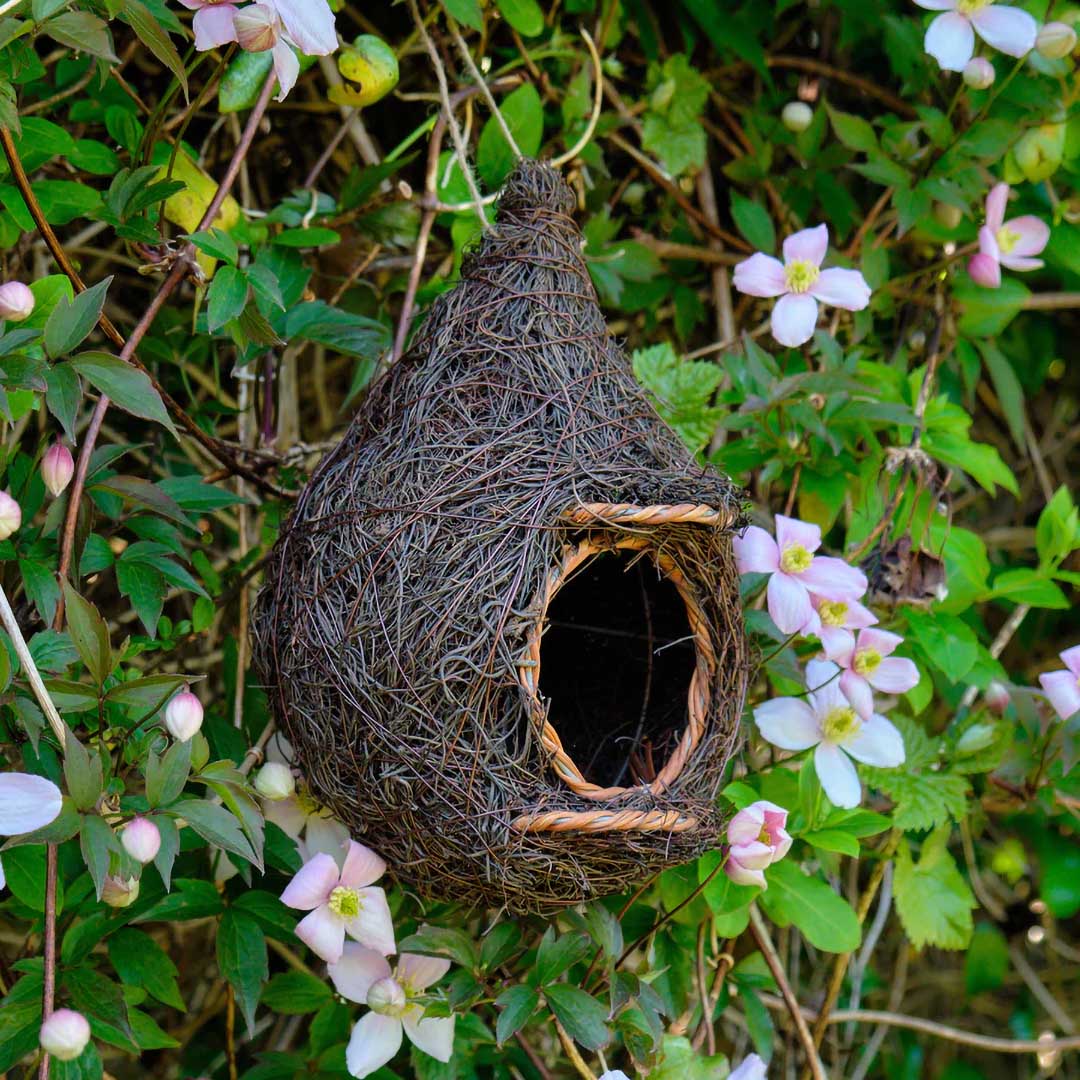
(700, 683)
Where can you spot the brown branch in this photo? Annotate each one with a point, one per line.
(48, 989)
(768, 950)
(817, 67)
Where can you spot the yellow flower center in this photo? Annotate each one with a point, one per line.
(306, 801)
(345, 902)
(969, 7)
(1007, 239)
(833, 612)
(866, 661)
(841, 724)
(795, 559)
(800, 275)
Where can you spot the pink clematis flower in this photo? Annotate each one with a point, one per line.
(833, 621)
(27, 803)
(869, 665)
(756, 839)
(800, 283)
(950, 38)
(364, 976)
(827, 721)
(796, 571)
(751, 1067)
(341, 902)
(1009, 243)
(277, 26)
(1063, 687)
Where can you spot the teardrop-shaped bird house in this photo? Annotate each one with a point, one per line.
(502, 627)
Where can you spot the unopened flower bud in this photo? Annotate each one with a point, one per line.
(984, 270)
(977, 737)
(141, 839)
(757, 837)
(183, 716)
(979, 73)
(65, 1034)
(1039, 151)
(119, 892)
(57, 468)
(387, 997)
(16, 301)
(948, 215)
(797, 116)
(275, 781)
(10, 515)
(257, 27)
(997, 697)
(1055, 40)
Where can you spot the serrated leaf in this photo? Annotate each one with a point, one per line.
(932, 898)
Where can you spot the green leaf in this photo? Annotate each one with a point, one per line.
(217, 826)
(63, 396)
(853, 131)
(584, 1018)
(89, 634)
(226, 297)
(140, 961)
(524, 116)
(1057, 533)
(826, 919)
(127, 386)
(1008, 389)
(525, 16)
(986, 312)
(932, 897)
(97, 841)
(72, 320)
(556, 954)
(167, 775)
(443, 941)
(986, 961)
(843, 843)
(147, 694)
(499, 944)
(82, 773)
(24, 868)
(83, 32)
(1027, 586)
(216, 243)
(518, 1003)
(682, 391)
(313, 236)
(241, 956)
(465, 11)
(754, 222)
(145, 588)
(155, 38)
(294, 993)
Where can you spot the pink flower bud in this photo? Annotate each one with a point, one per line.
(275, 781)
(1055, 40)
(141, 839)
(797, 116)
(119, 892)
(984, 270)
(16, 301)
(57, 468)
(65, 1034)
(183, 716)
(10, 515)
(997, 697)
(757, 838)
(979, 73)
(257, 27)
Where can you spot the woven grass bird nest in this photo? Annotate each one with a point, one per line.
(502, 628)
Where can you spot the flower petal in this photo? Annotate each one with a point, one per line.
(857, 690)
(310, 24)
(1063, 690)
(374, 1041)
(286, 815)
(881, 641)
(894, 675)
(1071, 659)
(434, 1034)
(312, 883)
(323, 933)
(742, 875)
(327, 835)
(1033, 232)
(755, 552)
(837, 643)
(937, 5)
(788, 723)
(877, 743)
(823, 685)
(793, 531)
(27, 802)
(838, 777)
(858, 616)
(841, 288)
(988, 244)
(1007, 29)
(760, 275)
(834, 579)
(357, 971)
(950, 41)
(782, 842)
(984, 270)
(286, 68)
(996, 202)
(794, 319)
(214, 26)
(752, 1067)
(362, 866)
(3, 880)
(373, 927)
(1021, 263)
(807, 244)
(789, 603)
(746, 825)
(420, 972)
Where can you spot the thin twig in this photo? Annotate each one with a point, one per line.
(598, 104)
(572, 1053)
(768, 950)
(48, 989)
(485, 90)
(11, 625)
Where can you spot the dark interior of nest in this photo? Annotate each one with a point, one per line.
(616, 660)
